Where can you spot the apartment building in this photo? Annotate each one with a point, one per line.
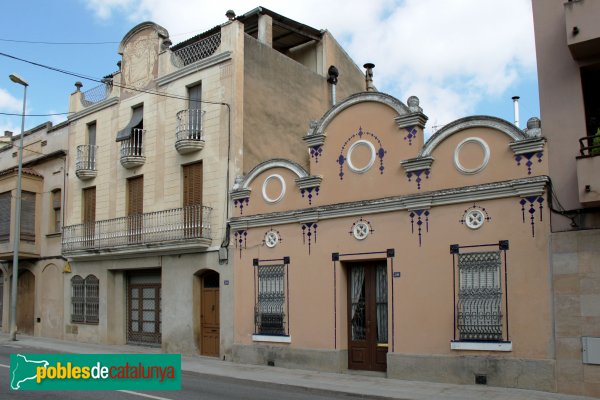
(567, 38)
(156, 147)
(41, 266)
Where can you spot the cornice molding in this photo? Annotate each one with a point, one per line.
(93, 109)
(194, 67)
(524, 187)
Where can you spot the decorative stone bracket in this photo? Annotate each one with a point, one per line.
(309, 186)
(241, 198)
(528, 149)
(420, 166)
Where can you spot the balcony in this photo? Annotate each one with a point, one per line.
(588, 165)
(189, 132)
(132, 149)
(179, 230)
(583, 30)
(85, 164)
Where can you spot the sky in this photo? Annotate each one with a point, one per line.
(460, 57)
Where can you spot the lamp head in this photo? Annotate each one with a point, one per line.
(18, 79)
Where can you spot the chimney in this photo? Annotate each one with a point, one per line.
(332, 78)
(8, 134)
(516, 104)
(369, 76)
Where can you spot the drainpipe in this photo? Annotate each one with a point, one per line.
(333, 74)
(369, 76)
(516, 105)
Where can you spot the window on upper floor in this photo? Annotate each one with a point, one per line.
(56, 211)
(5, 208)
(28, 216)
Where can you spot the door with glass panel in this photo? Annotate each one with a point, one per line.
(367, 316)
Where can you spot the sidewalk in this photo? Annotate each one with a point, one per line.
(343, 383)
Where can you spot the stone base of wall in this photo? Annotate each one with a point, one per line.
(286, 357)
(505, 372)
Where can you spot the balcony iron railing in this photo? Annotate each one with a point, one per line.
(96, 94)
(86, 158)
(134, 146)
(589, 146)
(189, 125)
(179, 224)
(196, 51)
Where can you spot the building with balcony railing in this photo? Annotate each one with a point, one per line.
(567, 36)
(159, 143)
(41, 265)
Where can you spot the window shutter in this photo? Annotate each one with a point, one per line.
(135, 188)
(28, 216)
(5, 200)
(89, 205)
(192, 184)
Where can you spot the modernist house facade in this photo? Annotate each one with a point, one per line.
(428, 261)
(157, 145)
(567, 39)
(41, 266)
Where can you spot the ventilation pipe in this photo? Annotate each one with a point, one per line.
(369, 76)
(332, 78)
(516, 105)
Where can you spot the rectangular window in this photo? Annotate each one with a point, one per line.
(85, 299)
(5, 208)
(28, 216)
(270, 316)
(479, 307)
(56, 210)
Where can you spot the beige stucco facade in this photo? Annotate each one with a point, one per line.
(410, 201)
(237, 69)
(40, 294)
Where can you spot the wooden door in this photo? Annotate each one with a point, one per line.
(192, 199)
(26, 302)
(367, 316)
(135, 208)
(144, 309)
(209, 317)
(89, 215)
(1, 296)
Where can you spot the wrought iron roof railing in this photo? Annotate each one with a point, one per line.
(196, 51)
(179, 224)
(96, 94)
(589, 146)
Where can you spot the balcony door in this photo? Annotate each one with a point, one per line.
(89, 215)
(367, 316)
(195, 110)
(192, 199)
(135, 208)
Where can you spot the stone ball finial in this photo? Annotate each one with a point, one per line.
(230, 14)
(534, 127)
(413, 104)
(533, 123)
(78, 85)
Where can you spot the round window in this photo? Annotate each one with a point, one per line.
(360, 231)
(271, 239)
(474, 219)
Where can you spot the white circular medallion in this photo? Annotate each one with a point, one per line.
(474, 219)
(365, 168)
(486, 156)
(266, 183)
(361, 230)
(271, 239)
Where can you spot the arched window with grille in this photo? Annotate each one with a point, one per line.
(85, 299)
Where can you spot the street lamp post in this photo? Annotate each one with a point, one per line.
(17, 235)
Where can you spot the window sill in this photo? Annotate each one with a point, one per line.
(272, 339)
(53, 234)
(481, 346)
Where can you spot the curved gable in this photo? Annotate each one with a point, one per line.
(476, 121)
(275, 163)
(362, 97)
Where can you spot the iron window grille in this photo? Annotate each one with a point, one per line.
(271, 307)
(480, 293)
(85, 299)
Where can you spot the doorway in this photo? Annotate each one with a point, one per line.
(26, 302)
(209, 315)
(144, 308)
(367, 316)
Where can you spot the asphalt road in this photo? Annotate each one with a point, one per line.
(194, 387)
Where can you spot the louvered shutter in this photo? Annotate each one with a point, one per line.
(28, 216)
(5, 200)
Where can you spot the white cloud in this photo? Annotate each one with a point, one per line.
(9, 103)
(451, 54)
